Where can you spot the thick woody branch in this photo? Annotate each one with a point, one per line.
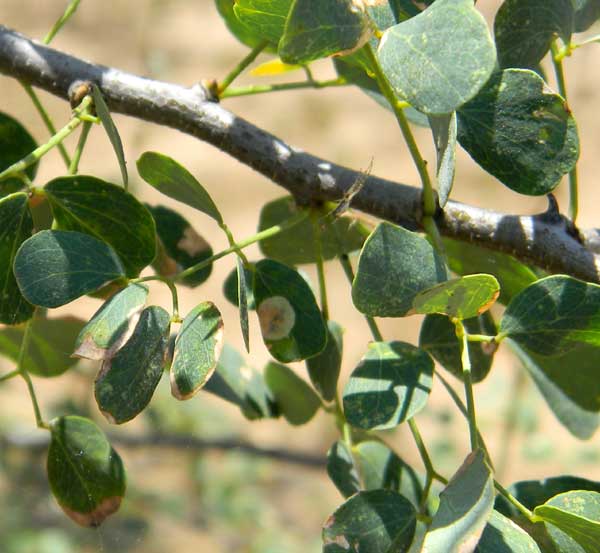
(545, 240)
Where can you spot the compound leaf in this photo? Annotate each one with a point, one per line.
(290, 320)
(16, 227)
(390, 385)
(439, 59)
(107, 212)
(85, 473)
(520, 131)
(394, 266)
(54, 267)
(197, 349)
(126, 382)
(371, 522)
(175, 181)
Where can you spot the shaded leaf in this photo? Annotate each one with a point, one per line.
(390, 385)
(465, 258)
(320, 28)
(438, 338)
(460, 298)
(241, 385)
(290, 320)
(394, 266)
(569, 383)
(263, 18)
(244, 288)
(50, 345)
(15, 227)
(54, 267)
(439, 59)
(587, 12)
(444, 131)
(524, 30)
(112, 324)
(341, 469)
(107, 212)
(85, 473)
(554, 315)
(577, 514)
(520, 132)
(297, 401)
(126, 382)
(15, 144)
(175, 181)
(465, 507)
(230, 287)
(324, 368)
(371, 522)
(296, 245)
(111, 130)
(197, 350)
(179, 247)
(502, 535)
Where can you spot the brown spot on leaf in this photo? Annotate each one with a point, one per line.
(192, 243)
(95, 518)
(277, 318)
(489, 304)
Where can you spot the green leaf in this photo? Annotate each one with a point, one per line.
(373, 521)
(197, 349)
(341, 469)
(465, 507)
(296, 245)
(520, 132)
(444, 131)
(502, 535)
(460, 298)
(465, 258)
(394, 266)
(237, 29)
(244, 288)
(85, 473)
(390, 385)
(236, 382)
(15, 144)
(112, 324)
(50, 345)
(324, 368)
(111, 130)
(577, 514)
(380, 468)
(107, 212)
(263, 18)
(438, 338)
(15, 228)
(230, 287)
(290, 320)
(296, 399)
(179, 247)
(569, 383)
(553, 315)
(126, 382)
(173, 180)
(524, 30)
(320, 28)
(587, 12)
(54, 267)
(439, 59)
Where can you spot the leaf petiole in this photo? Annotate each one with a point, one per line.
(262, 89)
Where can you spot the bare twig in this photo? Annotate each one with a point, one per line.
(548, 242)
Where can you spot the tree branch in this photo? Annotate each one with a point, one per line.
(545, 240)
(39, 442)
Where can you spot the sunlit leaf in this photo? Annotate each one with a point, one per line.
(197, 349)
(54, 267)
(85, 473)
(520, 132)
(390, 385)
(126, 382)
(240, 31)
(15, 227)
(263, 18)
(444, 131)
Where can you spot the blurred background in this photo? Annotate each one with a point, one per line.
(184, 497)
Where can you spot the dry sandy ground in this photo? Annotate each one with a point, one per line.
(185, 41)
